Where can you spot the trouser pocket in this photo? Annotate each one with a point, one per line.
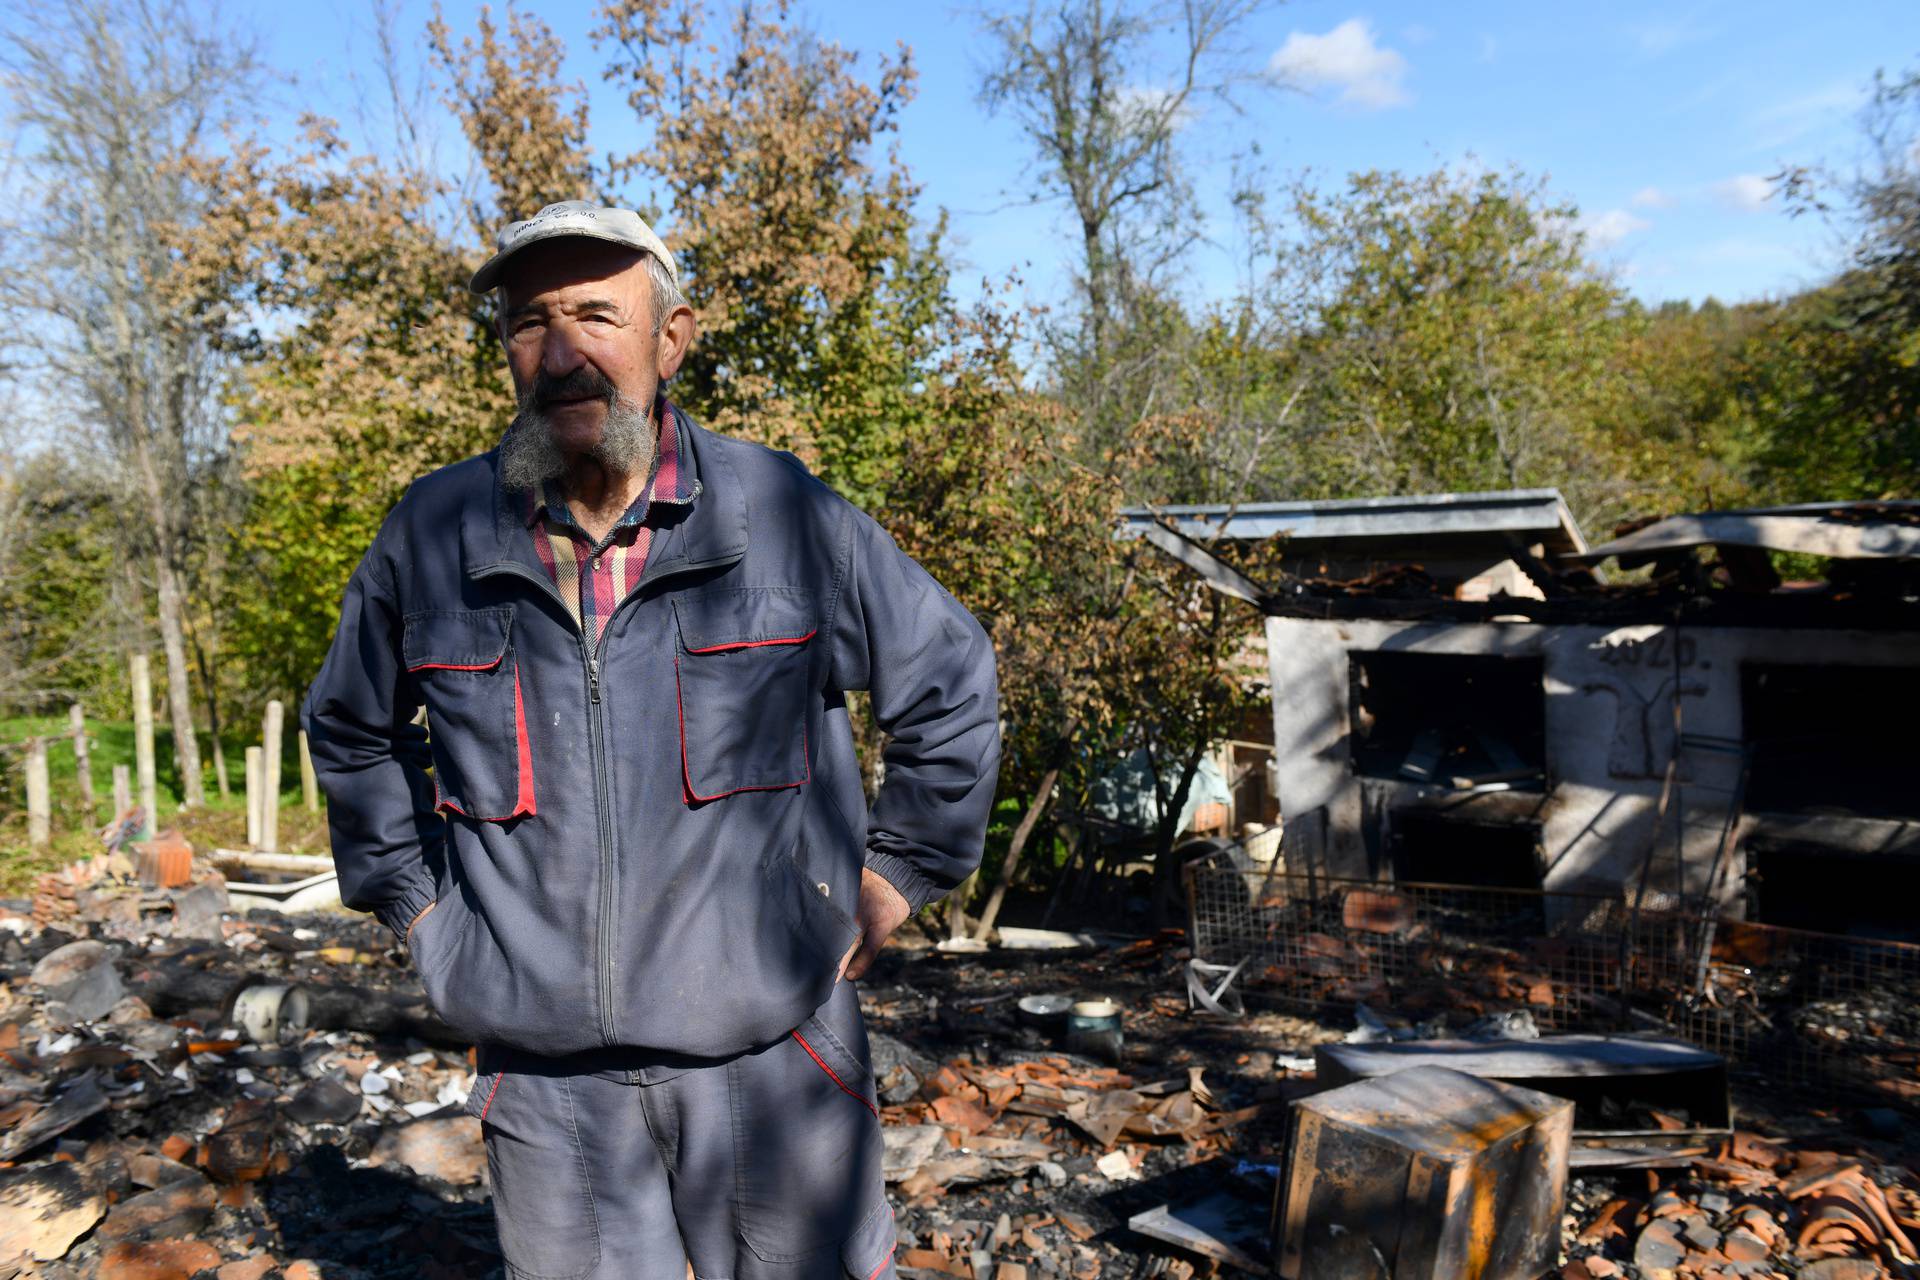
(807, 1136)
(542, 1194)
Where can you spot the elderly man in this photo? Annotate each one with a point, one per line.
(631, 854)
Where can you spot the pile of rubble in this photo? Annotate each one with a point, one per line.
(185, 1092)
(1753, 1208)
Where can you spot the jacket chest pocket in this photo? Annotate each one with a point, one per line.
(742, 679)
(464, 663)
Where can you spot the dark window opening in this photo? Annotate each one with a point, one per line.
(1449, 720)
(1865, 895)
(1441, 848)
(1832, 740)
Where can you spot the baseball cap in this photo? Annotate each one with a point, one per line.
(573, 218)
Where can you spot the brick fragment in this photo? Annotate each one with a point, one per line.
(174, 1209)
(1611, 1221)
(157, 1260)
(1743, 1245)
(1659, 1247)
(1843, 1269)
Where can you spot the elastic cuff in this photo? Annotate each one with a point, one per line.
(904, 876)
(399, 913)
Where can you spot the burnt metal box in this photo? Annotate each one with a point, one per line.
(1426, 1174)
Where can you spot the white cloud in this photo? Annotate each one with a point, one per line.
(1747, 192)
(1605, 230)
(1345, 58)
(1651, 198)
(1489, 48)
(1143, 102)
(1417, 33)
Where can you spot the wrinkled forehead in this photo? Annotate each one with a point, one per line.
(570, 267)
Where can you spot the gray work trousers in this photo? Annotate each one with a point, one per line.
(766, 1166)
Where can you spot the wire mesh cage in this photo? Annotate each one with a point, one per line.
(1808, 1008)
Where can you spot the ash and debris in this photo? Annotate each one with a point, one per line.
(156, 1122)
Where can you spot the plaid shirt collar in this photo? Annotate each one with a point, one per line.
(673, 480)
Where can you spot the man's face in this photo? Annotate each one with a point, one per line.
(578, 328)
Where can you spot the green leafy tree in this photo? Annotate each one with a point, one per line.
(823, 307)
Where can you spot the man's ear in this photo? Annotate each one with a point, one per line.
(676, 339)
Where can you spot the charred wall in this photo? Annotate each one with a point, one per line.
(1562, 737)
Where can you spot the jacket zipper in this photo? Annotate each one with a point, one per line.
(596, 744)
(596, 736)
(603, 819)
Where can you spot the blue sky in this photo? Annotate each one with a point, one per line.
(1660, 121)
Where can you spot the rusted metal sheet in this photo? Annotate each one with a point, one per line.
(1427, 1174)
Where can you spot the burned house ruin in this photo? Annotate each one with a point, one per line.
(1465, 693)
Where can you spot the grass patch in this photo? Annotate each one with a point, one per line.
(221, 823)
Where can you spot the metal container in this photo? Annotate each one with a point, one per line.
(1428, 1174)
(1046, 1011)
(1093, 1029)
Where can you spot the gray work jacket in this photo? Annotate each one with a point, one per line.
(653, 842)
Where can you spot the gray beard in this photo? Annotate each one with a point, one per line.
(528, 456)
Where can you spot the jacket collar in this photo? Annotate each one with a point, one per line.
(709, 529)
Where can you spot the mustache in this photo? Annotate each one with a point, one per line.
(584, 383)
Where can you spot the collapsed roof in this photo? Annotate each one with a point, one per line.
(1840, 530)
(1411, 556)
(1453, 536)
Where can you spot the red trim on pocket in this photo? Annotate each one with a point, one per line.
(861, 1098)
(523, 798)
(686, 772)
(884, 1261)
(455, 666)
(496, 1088)
(731, 645)
(523, 802)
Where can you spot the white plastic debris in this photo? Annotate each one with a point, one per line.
(243, 1076)
(421, 1058)
(424, 1107)
(373, 1084)
(454, 1088)
(1116, 1166)
(380, 1105)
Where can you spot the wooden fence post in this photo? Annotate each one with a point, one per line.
(309, 780)
(270, 776)
(122, 789)
(77, 726)
(143, 745)
(39, 796)
(253, 797)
